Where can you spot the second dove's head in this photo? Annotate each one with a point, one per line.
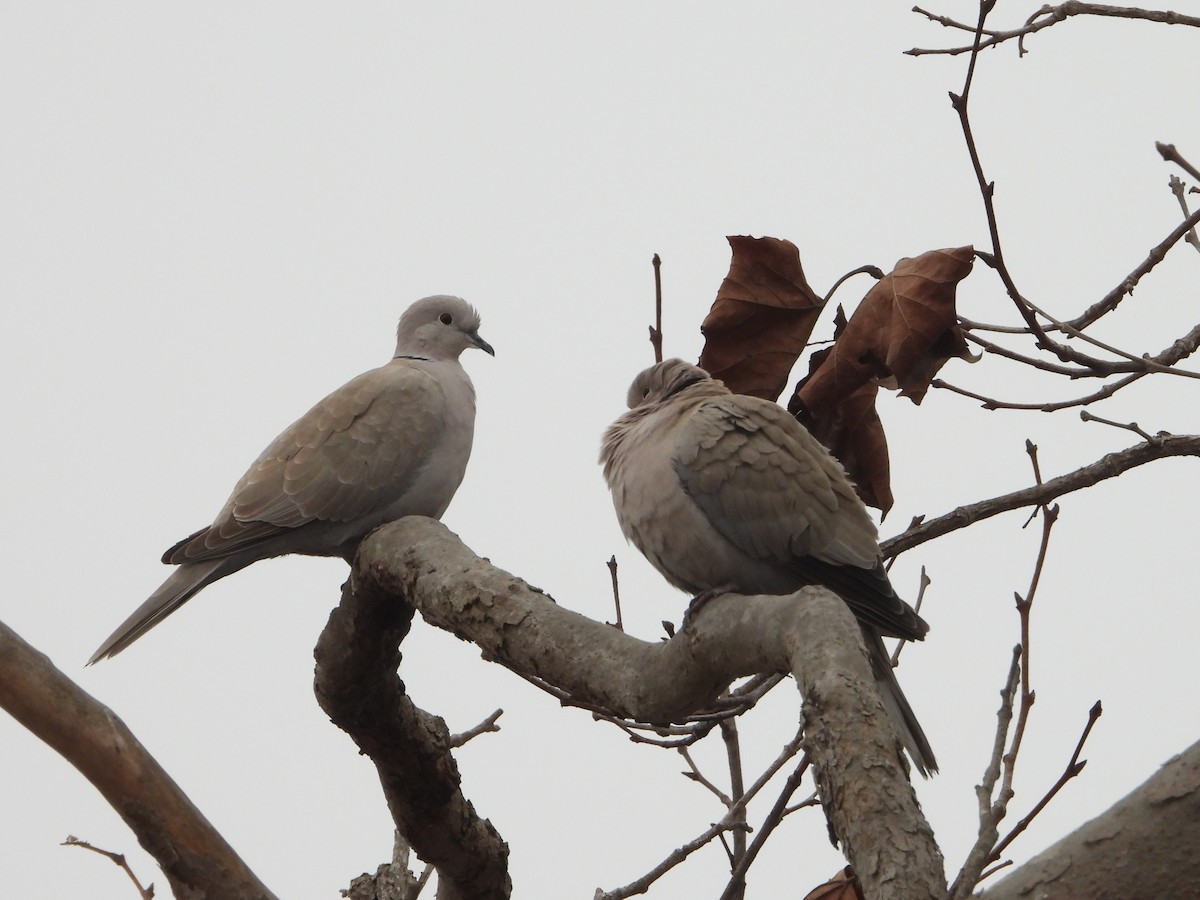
(663, 380)
(439, 327)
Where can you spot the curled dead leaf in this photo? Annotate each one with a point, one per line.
(903, 331)
(762, 317)
(901, 334)
(853, 432)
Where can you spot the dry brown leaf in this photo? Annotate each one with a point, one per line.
(903, 331)
(842, 886)
(854, 434)
(762, 317)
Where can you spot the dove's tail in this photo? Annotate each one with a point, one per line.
(183, 584)
(897, 706)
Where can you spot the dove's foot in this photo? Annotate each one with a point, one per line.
(703, 599)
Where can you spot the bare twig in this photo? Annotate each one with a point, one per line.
(1046, 17)
(737, 879)
(1028, 311)
(488, 724)
(991, 403)
(1101, 307)
(642, 884)
(993, 800)
(924, 582)
(995, 259)
(656, 336)
(1127, 426)
(146, 893)
(1170, 154)
(734, 819)
(1107, 467)
(612, 572)
(737, 787)
(1179, 189)
(1153, 258)
(697, 776)
(990, 810)
(1074, 767)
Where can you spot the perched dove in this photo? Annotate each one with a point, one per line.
(392, 442)
(727, 492)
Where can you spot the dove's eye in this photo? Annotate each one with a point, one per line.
(446, 318)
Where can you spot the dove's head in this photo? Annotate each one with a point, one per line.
(439, 327)
(663, 380)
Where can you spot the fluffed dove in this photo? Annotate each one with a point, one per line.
(728, 492)
(392, 442)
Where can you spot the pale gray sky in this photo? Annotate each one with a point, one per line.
(213, 214)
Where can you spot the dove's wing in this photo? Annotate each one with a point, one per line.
(771, 489)
(366, 449)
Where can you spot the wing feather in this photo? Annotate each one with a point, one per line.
(770, 488)
(351, 455)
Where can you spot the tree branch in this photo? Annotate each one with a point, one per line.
(1109, 466)
(812, 634)
(195, 858)
(1045, 18)
(357, 686)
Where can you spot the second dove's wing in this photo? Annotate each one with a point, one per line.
(770, 488)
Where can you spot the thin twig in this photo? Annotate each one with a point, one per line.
(146, 893)
(487, 725)
(1109, 466)
(993, 799)
(1170, 154)
(1028, 311)
(729, 822)
(737, 878)
(991, 403)
(612, 572)
(1156, 255)
(697, 776)
(1126, 426)
(737, 787)
(1074, 767)
(656, 336)
(924, 582)
(990, 810)
(1179, 189)
(1046, 17)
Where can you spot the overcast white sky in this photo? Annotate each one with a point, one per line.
(212, 215)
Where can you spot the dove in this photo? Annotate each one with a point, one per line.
(392, 442)
(725, 492)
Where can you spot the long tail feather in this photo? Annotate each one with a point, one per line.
(180, 587)
(897, 706)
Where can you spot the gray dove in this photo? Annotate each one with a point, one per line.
(727, 492)
(392, 442)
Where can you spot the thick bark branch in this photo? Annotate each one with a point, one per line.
(197, 861)
(811, 634)
(357, 685)
(1143, 846)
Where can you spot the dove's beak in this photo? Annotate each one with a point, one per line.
(481, 343)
